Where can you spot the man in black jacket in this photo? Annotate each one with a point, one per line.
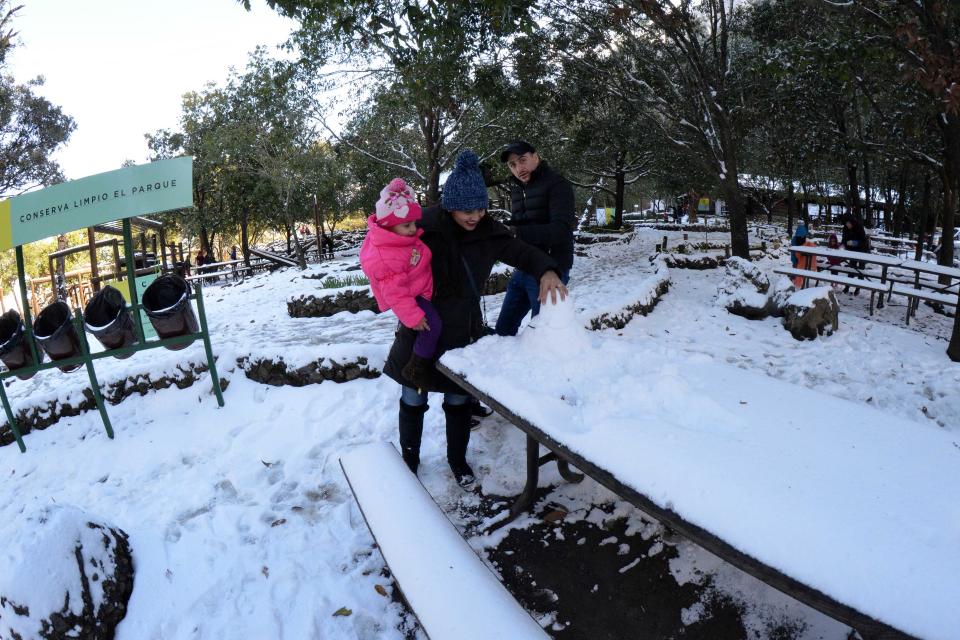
(541, 214)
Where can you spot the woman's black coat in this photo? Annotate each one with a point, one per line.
(456, 252)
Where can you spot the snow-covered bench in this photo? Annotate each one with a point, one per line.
(913, 293)
(452, 592)
(213, 275)
(821, 276)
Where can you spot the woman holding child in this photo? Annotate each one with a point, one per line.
(461, 244)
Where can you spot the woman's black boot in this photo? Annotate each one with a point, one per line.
(458, 437)
(411, 431)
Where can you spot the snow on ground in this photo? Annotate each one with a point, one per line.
(240, 521)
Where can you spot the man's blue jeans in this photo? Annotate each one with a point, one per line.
(523, 291)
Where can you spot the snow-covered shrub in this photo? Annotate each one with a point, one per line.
(809, 312)
(63, 574)
(744, 288)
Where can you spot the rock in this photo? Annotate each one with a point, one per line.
(782, 291)
(496, 283)
(64, 574)
(743, 291)
(809, 312)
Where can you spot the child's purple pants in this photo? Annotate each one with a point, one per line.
(425, 345)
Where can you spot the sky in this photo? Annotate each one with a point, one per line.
(120, 67)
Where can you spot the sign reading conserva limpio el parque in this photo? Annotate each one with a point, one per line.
(114, 195)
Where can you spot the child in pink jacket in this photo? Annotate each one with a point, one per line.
(397, 263)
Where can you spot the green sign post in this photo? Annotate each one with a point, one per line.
(121, 194)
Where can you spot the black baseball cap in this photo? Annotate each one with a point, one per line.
(518, 147)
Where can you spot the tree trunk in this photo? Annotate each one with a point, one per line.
(429, 123)
(298, 248)
(204, 240)
(924, 214)
(790, 200)
(900, 209)
(621, 179)
(244, 237)
(948, 206)
(61, 268)
(853, 190)
(867, 186)
(739, 240)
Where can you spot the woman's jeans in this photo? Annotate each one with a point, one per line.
(413, 398)
(523, 293)
(413, 405)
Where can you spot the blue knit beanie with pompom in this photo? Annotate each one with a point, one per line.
(464, 189)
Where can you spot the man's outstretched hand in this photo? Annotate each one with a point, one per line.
(551, 285)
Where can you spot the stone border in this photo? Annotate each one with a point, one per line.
(278, 373)
(358, 299)
(353, 300)
(693, 260)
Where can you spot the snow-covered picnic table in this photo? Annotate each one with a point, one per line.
(843, 507)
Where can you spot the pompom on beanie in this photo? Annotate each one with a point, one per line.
(397, 204)
(464, 189)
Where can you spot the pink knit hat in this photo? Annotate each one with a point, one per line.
(397, 204)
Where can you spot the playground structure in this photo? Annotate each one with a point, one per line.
(25, 219)
(79, 285)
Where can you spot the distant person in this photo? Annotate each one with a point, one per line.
(327, 244)
(833, 261)
(233, 252)
(677, 214)
(541, 214)
(854, 238)
(201, 259)
(803, 261)
(397, 263)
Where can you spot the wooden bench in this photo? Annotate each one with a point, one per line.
(216, 274)
(452, 592)
(819, 276)
(915, 295)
